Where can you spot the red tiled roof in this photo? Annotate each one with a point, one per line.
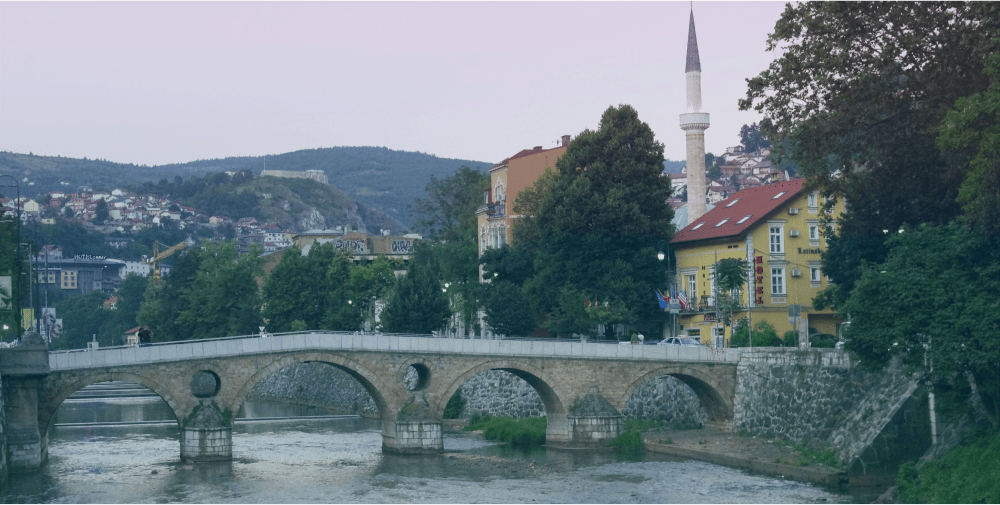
(757, 203)
(529, 152)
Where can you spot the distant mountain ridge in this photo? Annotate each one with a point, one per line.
(380, 177)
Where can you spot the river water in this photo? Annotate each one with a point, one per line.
(339, 459)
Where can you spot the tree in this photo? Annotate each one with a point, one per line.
(296, 290)
(448, 214)
(861, 97)
(450, 207)
(223, 299)
(601, 217)
(101, 212)
(764, 335)
(970, 133)
(731, 274)
(507, 309)
(937, 294)
(753, 139)
(417, 305)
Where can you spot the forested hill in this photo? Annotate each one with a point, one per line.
(385, 179)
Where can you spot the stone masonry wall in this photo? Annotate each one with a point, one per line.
(817, 396)
(493, 392)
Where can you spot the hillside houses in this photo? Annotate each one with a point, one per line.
(738, 171)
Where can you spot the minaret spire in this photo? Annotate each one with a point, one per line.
(694, 123)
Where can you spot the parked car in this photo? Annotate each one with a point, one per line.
(682, 341)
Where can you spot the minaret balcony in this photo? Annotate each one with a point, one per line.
(694, 121)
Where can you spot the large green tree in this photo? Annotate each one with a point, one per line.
(223, 299)
(970, 134)
(860, 89)
(418, 304)
(507, 309)
(448, 216)
(296, 290)
(600, 218)
(937, 295)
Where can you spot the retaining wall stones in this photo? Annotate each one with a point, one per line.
(818, 396)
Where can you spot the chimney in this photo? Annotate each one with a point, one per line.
(565, 139)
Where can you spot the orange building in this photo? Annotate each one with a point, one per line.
(507, 179)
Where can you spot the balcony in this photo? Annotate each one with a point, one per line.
(498, 209)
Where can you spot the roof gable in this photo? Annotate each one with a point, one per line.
(757, 203)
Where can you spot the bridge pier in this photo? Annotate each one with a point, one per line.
(207, 434)
(592, 422)
(416, 430)
(23, 367)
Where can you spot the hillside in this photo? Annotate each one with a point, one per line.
(382, 178)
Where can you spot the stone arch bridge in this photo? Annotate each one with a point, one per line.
(583, 386)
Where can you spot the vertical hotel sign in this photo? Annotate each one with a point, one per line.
(758, 277)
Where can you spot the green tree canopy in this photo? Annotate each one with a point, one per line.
(939, 290)
(601, 217)
(861, 89)
(418, 304)
(507, 309)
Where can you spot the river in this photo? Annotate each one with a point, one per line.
(117, 450)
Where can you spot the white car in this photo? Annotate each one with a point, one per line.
(683, 341)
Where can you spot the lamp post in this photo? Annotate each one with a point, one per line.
(664, 252)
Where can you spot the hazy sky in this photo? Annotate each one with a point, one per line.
(154, 83)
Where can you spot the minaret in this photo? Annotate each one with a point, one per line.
(694, 122)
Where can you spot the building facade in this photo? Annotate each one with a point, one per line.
(779, 230)
(507, 179)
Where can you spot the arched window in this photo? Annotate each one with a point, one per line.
(482, 238)
(498, 192)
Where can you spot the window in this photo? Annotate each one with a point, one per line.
(691, 281)
(696, 227)
(812, 200)
(813, 234)
(778, 195)
(722, 222)
(498, 195)
(730, 204)
(502, 232)
(777, 280)
(482, 239)
(776, 239)
(741, 221)
(814, 274)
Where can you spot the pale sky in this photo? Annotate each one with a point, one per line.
(155, 83)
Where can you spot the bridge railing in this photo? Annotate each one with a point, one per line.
(379, 342)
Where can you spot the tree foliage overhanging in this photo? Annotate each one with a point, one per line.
(895, 107)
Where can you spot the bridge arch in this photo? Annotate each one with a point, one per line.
(388, 398)
(718, 406)
(537, 378)
(50, 402)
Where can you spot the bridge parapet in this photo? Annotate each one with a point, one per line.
(333, 341)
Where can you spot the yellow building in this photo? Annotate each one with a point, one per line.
(777, 229)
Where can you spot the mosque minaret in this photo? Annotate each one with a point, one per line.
(694, 122)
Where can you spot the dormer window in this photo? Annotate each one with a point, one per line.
(698, 226)
(722, 222)
(730, 204)
(743, 220)
(778, 195)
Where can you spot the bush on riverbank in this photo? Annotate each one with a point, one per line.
(522, 432)
(967, 474)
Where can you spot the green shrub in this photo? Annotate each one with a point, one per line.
(455, 405)
(967, 474)
(764, 335)
(630, 441)
(524, 432)
(791, 338)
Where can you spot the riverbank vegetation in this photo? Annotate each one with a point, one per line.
(526, 432)
(967, 474)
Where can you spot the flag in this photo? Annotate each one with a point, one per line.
(682, 297)
(664, 300)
